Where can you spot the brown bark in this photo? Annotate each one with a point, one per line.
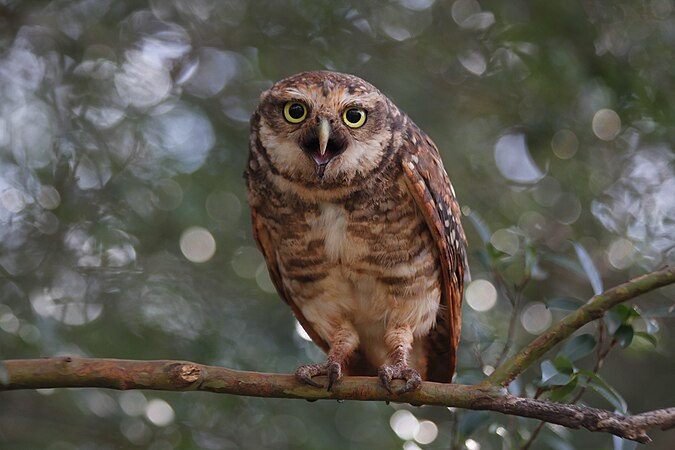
(187, 376)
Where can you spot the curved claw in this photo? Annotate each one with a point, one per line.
(412, 378)
(332, 369)
(305, 373)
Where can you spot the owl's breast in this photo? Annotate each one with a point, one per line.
(371, 260)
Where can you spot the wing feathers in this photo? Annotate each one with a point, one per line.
(434, 196)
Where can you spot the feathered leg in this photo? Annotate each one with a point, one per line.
(345, 341)
(399, 340)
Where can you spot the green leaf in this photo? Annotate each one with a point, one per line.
(562, 393)
(599, 385)
(613, 321)
(564, 303)
(563, 365)
(589, 268)
(646, 336)
(619, 315)
(550, 376)
(624, 335)
(578, 347)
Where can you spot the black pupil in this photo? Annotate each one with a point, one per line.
(353, 115)
(296, 111)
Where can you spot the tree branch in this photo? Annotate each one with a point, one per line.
(488, 395)
(594, 309)
(187, 376)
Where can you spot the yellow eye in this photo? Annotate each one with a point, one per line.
(295, 112)
(354, 117)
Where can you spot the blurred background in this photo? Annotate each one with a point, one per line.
(124, 228)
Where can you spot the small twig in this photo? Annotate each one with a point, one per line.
(454, 431)
(533, 436)
(514, 298)
(594, 309)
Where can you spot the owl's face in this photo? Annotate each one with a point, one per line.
(323, 129)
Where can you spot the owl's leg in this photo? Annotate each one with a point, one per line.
(399, 340)
(345, 341)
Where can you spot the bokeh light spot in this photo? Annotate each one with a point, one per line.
(245, 261)
(301, 331)
(49, 197)
(471, 444)
(262, 277)
(606, 124)
(427, 433)
(168, 194)
(565, 144)
(404, 424)
(514, 161)
(536, 318)
(223, 206)
(159, 412)
(197, 244)
(9, 322)
(474, 62)
(133, 403)
(13, 200)
(567, 209)
(481, 295)
(620, 253)
(506, 241)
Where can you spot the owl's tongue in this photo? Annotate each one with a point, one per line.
(322, 160)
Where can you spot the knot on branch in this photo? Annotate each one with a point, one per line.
(183, 375)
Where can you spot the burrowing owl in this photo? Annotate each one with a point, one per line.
(359, 227)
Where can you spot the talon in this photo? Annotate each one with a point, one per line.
(304, 374)
(412, 378)
(332, 369)
(385, 377)
(413, 381)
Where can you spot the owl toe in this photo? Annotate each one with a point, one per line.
(332, 369)
(412, 378)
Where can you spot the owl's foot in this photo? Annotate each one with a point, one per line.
(388, 372)
(332, 369)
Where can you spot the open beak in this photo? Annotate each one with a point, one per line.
(321, 158)
(323, 144)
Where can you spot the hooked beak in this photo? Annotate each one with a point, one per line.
(324, 134)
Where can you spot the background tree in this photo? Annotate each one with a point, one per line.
(124, 230)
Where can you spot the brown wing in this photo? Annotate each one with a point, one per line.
(268, 249)
(429, 184)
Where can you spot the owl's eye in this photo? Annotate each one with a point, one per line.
(295, 112)
(354, 117)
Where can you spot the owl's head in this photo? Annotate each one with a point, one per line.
(323, 129)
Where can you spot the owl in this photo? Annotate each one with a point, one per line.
(360, 229)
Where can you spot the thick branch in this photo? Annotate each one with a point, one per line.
(187, 376)
(594, 309)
